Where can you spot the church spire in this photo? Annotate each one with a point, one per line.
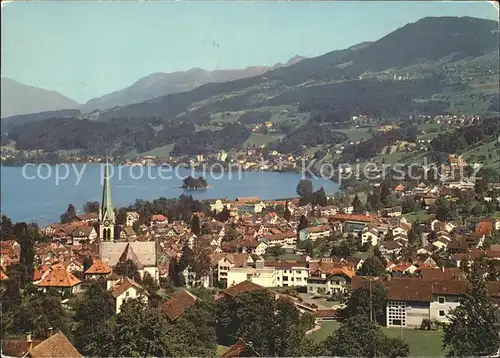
(107, 213)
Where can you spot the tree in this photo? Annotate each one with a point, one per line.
(26, 237)
(224, 214)
(275, 327)
(445, 210)
(319, 197)
(303, 223)
(197, 258)
(87, 262)
(385, 191)
(475, 323)
(128, 268)
(6, 228)
(193, 334)
(231, 234)
(91, 311)
(342, 250)
(370, 294)
(196, 225)
(69, 215)
(275, 251)
(91, 207)
(149, 283)
(357, 205)
(305, 188)
(287, 215)
(39, 312)
(358, 337)
(138, 332)
(374, 200)
(372, 266)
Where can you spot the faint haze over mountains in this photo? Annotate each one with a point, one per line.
(85, 50)
(160, 84)
(21, 99)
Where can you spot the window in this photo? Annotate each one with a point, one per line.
(127, 294)
(442, 313)
(299, 272)
(441, 300)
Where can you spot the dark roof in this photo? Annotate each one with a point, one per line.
(422, 290)
(17, 347)
(56, 346)
(177, 303)
(129, 254)
(242, 287)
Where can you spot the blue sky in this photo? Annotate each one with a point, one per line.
(87, 49)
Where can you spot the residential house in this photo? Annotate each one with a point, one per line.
(98, 270)
(89, 218)
(353, 223)
(177, 303)
(473, 255)
(328, 278)
(131, 218)
(227, 261)
(87, 233)
(240, 349)
(289, 273)
(410, 300)
(124, 289)
(57, 277)
(218, 206)
(404, 268)
(56, 345)
(370, 236)
(313, 233)
(159, 220)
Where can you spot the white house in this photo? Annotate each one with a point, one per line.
(131, 218)
(124, 289)
(370, 236)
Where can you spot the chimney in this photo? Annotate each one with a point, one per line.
(442, 269)
(29, 340)
(51, 330)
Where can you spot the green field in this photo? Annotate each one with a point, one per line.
(355, 134)
(259, 139)
(422, 343)
(421, 215)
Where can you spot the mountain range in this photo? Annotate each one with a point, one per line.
(18, 99)
(432, 66)
(161, 84)
(421, 60)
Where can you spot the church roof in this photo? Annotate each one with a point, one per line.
(111, 252)
(129, 254)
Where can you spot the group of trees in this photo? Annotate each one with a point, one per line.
(457, 141)
(181, 208)
(309, 196)
(309, 135)
(207, 141)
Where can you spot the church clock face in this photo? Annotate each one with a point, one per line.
(106, 223)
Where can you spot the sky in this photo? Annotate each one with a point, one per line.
(87, 49)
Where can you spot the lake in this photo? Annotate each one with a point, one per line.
(42, 193)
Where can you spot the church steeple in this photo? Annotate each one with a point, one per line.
(106, 211)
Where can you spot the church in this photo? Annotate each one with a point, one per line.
(107, 220)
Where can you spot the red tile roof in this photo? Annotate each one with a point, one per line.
(347, 217)
(178, 303)
(239, 349)
(242, 287)
(98, 268)
(58, 276)
(484, 227)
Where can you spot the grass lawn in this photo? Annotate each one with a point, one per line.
(355, 134)
(259, 139)
(422, 215)
(422, 343)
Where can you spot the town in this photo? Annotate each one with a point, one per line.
(402, 257)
